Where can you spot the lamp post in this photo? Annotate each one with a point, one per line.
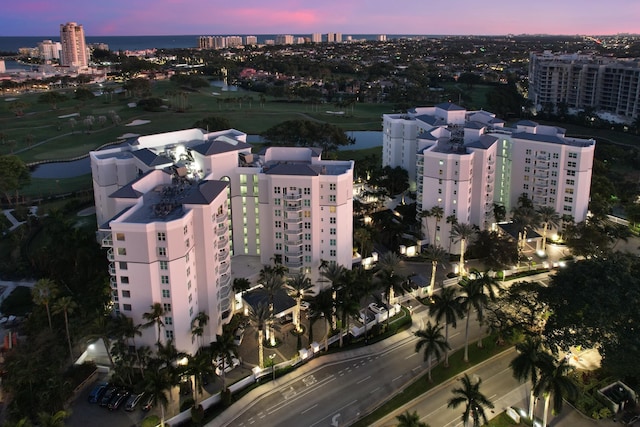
(273, 365)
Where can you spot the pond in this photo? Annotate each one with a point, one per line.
(56, 170)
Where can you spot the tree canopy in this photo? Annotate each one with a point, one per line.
(305, 133)
(594, 303)
(213, 123)
(14, 175)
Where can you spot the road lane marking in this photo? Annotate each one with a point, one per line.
(374, 390)
(411, 355)
(363, 380)
(306, 391)
(308, 409)
(332, 416)
(397, 378)
(455, 335)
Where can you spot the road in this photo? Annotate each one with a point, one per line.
(339, 392)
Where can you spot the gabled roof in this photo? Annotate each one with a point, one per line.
(450, 106)
(474, 125)
(291, 169)
(204, 193)
(218, 146)
(126, 192)
(150, 158)
(484, 142)
(526, 123)
(432, 120)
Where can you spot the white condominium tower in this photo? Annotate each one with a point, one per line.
(74, 48)
(466, 161)
(174, 209)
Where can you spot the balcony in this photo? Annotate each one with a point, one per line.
(221, 231)
(490, 179)
(294, 262)
(542, 175)
(224, 268)
(293, 220)
(488, 198)
(113, 282)
(223, 240)
(293, 207)
(223, 255)
(293, 250)
(222, 217)
(491, 161)
(293, 196)
(110, 255)
(107, 242)
(541, 182)
(293, 241)
(541, 165)
(225, 280)
(112, 269)
(542, 157)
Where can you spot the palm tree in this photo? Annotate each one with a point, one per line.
(462, 232)
(323, 304)
(259, 316)
(554, 380)
(201, 367)
(130, 330)
(410, 419)
(391, 281)
(524, 218)
(43, 292)
(158, 383)
(240, 285)
(487, 288)
(299, 286)
(526, 365)
(451, 219)
(53, 420)
(474, 401)
(334, 273)
(197, 325)
(447, 306)
(472, 297)
(438, 213)
(223, 349)
(272, 282)
(437, 255)
(66, 305)
(103, 326)
(155, 317)
(433, 342)
(549, 218)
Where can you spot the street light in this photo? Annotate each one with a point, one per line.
(273, 365)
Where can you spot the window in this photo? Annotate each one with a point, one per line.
(278, 234)
(307, 236)
(276, 202)
(166, 293)
(526, 177)
(527, 169)
(126, 294)
(189, 284)
(571, 164)
(277, 212)
(555, 155)
(571, 182)
(568, 199)
(162, 237)
(162, 251)
(571, 173)
(124, 280)
(307, 214)
(307, 191)
(122, 251)
(307, 248)
(332, 220)
(126, 307)
(307, 258)
(573, 155)
(332, 242)
(332, 252)
(122, 265)
(554, 173)
(187, 243)
(190, 298)
(332, 209)
(164, 280)
(528, 151)
(332, 231)
(439, 190)
(120, 237)
(168, 320)
(278, 224)
(307, 225)
(188, 271)
(554, 164)
(185, 230)
(569, 191)
(440, 172)
(166, 307)
(278, 246)
(190, 311)
(306, 203)
(527, 160)
(332, 197)
(332, 187)
(168, 334)
(525, 186)
(567, 208)
(276, 190)
(164, 265)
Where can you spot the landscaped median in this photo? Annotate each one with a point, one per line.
(440, 374)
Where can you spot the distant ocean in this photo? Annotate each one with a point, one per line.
(12, 44)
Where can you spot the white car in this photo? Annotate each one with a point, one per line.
(239, 335)
(235, 362)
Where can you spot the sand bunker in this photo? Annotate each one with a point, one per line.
(138, 122)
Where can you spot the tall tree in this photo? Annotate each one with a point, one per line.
(272, 282)
(410, 419)
(53, 420)
(198, 324)
(259, 316)
(66, 305)
(463, 233)
(525, 219)
(155, 317)
(549, 219)
(555, 381)
(436, 255)
(299, 286)
(158, 383)
(446, 306)
(224, 349)
(469, 394)
(434, 343)
(526, 365)
(438, 213)
(14, 175)
(43, 293)
(472, 297)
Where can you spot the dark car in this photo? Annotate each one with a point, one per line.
(107, 396)
(96, 393)
(118, 399)
(147, 403)
(133, 401)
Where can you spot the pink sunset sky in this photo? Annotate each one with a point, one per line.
(208, 17)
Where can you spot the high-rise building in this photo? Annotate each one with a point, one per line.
(250, 40)
(334, 37)
(284, 39)
(577, 82)
(49, 50)
(316, 38)
(74, 48)
(176, 210)
(466, 161)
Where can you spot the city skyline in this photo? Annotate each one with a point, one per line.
(199, 17)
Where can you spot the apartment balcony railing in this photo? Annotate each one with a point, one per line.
(107, 241)
(293, 250)
(491, 171)
(488, 198)
(293, 207)
(293, 220)
(223, 240)
(491, 161)
(293, 196)
(293, 263)
(224, 267)
(489, 188)
(110, 255)
(490, 179)
(223, 255)
(293, 241)
(542, 165)
(542, 182)
(112, 269)
(113, 281)
(222, 217)
(542, 174)
(225, 280)
(542, 157)
(293, 232)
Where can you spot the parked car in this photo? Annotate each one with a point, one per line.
(96, 392)
(147, 402)
(235, 362)
(133, 401)
(108, 395)
(239, 335)
(118, 399)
